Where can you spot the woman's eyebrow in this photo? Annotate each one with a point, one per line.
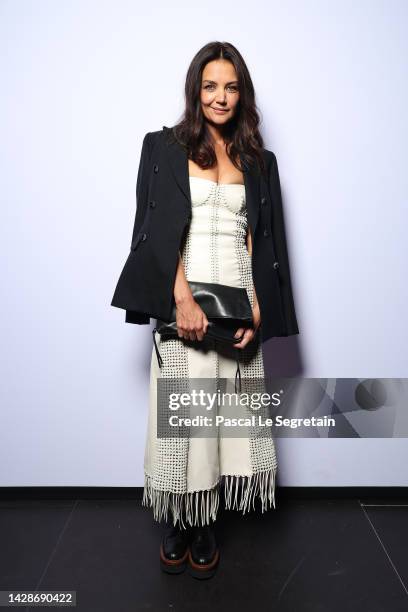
(215, 83)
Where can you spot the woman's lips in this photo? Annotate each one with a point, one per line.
(220, 110)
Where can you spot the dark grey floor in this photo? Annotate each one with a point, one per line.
(307, 555)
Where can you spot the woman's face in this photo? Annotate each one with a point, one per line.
(219, 91)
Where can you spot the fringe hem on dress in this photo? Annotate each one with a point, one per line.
(197, 507)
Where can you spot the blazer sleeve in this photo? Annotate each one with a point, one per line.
(279, 235)
(141, 205)
(142, 186)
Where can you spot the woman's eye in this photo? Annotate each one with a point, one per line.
(230, 87)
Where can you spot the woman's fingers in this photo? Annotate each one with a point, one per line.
(247, 337)
(192, 322)
(239, 332)
(204, 325)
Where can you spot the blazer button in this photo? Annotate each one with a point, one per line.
(263, 200)
(155, 168)
(266, 233)
(276, 265)
(152, 204)
(144, 236)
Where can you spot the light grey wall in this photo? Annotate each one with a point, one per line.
(82, 82)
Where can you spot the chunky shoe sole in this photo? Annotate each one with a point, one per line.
(197, 570)
(173, 566)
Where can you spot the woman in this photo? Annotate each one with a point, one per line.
(208, 209)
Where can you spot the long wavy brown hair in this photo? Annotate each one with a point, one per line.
(241, 133)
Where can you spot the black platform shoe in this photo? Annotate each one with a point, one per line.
(174, 550)
(203, 555)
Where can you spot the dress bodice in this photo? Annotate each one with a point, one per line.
(215, 242)
(205, 192)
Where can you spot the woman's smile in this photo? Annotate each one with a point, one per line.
(221, 110)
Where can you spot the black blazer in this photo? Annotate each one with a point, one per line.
(163, 212)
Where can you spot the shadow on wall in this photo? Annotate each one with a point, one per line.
(282, 357)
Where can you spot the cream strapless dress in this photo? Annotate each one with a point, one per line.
(214, 250)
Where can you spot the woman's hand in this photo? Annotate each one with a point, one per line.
(249, 332)
(191, 320)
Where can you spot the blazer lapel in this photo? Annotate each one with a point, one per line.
(178, 163)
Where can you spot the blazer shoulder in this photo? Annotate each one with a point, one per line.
(151, 137)
(154, 137)
(270, 161)
(269, 155)
(155, 134)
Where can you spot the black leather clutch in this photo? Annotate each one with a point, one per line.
(227, 308)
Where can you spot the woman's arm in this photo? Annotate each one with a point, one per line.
(249, 333)
(182, 291)
(249, 248)
(191, 320)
